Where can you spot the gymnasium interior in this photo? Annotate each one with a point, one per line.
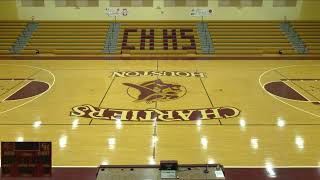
(160, 89)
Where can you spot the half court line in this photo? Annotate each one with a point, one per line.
(104, 96)
(155, 125)
(208, 96)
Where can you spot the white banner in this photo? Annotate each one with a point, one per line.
(201, 12)
(116, 12)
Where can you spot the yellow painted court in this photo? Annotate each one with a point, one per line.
(234, 114)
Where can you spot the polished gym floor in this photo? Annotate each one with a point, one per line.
(237, 113)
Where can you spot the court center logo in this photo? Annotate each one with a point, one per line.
(151, 92)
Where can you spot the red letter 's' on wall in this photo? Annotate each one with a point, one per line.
(184, 35)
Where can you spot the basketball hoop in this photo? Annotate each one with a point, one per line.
(124, 12)
(201, 12)
(116, 12)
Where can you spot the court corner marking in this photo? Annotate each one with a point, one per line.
(35, 97)
(297, 108)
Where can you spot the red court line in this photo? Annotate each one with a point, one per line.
(86, 173)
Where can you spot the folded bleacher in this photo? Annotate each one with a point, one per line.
(176, 38)
(309, 32)
(9, 32)
(63, 38)
(248, 37)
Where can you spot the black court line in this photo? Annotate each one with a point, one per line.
(298, 86)
(104, 96)
(20, 82)
(157, 65)
(208, 96)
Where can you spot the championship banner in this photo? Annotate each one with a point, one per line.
(116, 12)
(201, 12)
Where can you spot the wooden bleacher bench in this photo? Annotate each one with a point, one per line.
(253, 48)
(36, 34)
(10, 30)
(4, 47)
(238, 27)
(232, 33)
(277, 51)
(87, 47)
(60, 52)
(314, 47)
(316, 51)
(44, 44)
(4, 51)
(7, 40)
(12, 24)
(278, 36)
(74, 24)
(212, 29)
(311, 40)
(243, 23)
(124, 51)
(73, 52)
(255, 51)
(9, 33)
(309, 37)
(63, 27)
(67, 40)
(253, 44)
(33, 52)
(71, 30)
(250, 40)
(69, 37)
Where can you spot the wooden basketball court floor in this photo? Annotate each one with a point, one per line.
(237, 113)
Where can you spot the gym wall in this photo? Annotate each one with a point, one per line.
(304, 10)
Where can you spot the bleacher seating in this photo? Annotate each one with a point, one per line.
(309, 32)
(9, 32)
(154, 38)
(255, 37)
(68, 38)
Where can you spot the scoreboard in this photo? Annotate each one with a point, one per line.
(26, 159)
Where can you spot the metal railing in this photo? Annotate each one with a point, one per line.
(294, 38)
(24, 38)
(111, 42)
(206, 42)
